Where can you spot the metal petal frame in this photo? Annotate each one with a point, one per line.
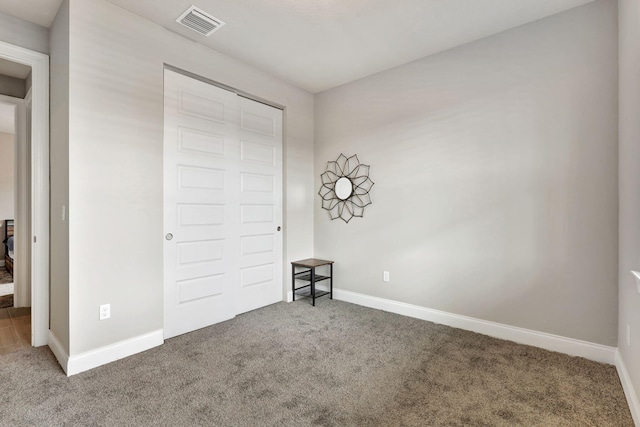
(358, 174)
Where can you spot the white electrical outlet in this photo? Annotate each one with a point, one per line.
(385, 276)
(105, 311)
(628, 336)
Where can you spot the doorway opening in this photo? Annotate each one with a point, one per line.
(15, 195)
(7, 201)
(31, 180)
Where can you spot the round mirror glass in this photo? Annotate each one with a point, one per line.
(343, 188)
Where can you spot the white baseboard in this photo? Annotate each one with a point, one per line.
(627, 386)
(58, 351)
(110, 353)
(1, 263)
(570, 346)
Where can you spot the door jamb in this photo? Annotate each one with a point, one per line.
(39, 64)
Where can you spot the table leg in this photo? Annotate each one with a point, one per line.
(293, 282)
(330, 281)
(313, 286)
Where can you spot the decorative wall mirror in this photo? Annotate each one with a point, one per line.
(345, 188)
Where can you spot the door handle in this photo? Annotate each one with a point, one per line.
(279, 228)
(169, 236)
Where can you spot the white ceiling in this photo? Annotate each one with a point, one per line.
(320, 44)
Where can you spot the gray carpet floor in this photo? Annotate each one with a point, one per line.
(337, 364)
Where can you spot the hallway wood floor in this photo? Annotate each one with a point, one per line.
(15, 329)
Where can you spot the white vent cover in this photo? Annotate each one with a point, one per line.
(199, 21)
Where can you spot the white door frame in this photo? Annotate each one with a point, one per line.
(39, 64)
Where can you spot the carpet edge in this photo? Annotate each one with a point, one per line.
(110, 353)
(571, 346)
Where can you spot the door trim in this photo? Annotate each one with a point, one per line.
(224, 86)
(39, 64)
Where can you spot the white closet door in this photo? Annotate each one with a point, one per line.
(222, 205)
(260, 205)
(201, 157)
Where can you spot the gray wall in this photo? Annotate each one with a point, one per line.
(115, 165)
(12, 86)
(496, 178)
(59, 175)
(24, 34)
(629, 180)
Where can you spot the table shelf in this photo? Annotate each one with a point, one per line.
(305, 291)
(309, 275)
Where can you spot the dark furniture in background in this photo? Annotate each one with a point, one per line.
(8, 232)
(309, 275)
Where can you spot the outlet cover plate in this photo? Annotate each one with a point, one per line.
(105, 311)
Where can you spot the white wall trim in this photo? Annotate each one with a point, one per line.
(112, 352)
(39, 64)
(58, 351)
(627, 386)
(570, 346)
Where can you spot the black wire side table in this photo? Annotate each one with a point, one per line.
(309, 275)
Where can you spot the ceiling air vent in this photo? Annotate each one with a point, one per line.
(199, 21)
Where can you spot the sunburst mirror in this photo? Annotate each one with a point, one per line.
(345, 188)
